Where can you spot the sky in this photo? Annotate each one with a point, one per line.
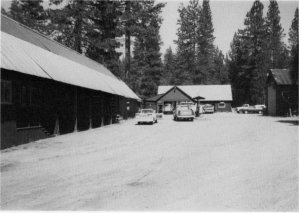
(227, 16)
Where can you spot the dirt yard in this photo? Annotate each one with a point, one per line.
(223, 161)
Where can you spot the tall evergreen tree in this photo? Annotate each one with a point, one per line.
(277, 50)
(195, 49)
(221, 72)
(187, 46)
(238, 75)
(147, 56)
(130, 25)
(70, 23)
(102, 34)
(293, 40)
(168, 68)
(255, 43)
(206, 45)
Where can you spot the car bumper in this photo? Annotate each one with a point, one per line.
(181, 117)
(144, 120)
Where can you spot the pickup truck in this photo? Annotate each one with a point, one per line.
(246, 108)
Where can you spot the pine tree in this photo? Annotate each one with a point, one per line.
(102, 34)
(130, 26)
(293, 40)
(168, 68)
(277, 50)
(69, 24)
(30, 13)
(221, 72)
(195, 49)
(147, 56)
(187, 46)
(255, 43)
(206, 45)
(238, 75)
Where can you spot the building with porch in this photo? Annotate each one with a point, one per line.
(220, 96)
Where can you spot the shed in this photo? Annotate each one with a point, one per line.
(282, 93)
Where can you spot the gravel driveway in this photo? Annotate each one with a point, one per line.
(223, 161)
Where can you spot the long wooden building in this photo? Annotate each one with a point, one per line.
(48, 89)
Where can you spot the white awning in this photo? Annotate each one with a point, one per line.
(21, 56)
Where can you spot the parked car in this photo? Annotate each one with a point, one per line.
(146, 116)
(183, 113)
(260, 106)
(246, 108)
(208, 108)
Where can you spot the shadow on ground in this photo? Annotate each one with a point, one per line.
(294, 122)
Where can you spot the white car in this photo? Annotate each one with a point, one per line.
(208, 108)
(183, 113)
(146, 116)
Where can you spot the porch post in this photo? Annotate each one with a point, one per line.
(75, 110)
(90, 110)
(56, 128)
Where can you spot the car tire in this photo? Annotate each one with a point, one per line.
(191, 119)
(246, 112)
(156, 121)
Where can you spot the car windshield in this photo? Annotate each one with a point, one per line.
(147, 111)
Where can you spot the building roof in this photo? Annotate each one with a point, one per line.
(155, 98)
(160, 96)
(209, 92)
(24, 50)
(281, 76)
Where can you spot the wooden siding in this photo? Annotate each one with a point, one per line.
(55, 101)
(227, 107)
(271, 102)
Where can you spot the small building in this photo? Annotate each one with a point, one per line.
(282, 93)
(220, 96)
(49, 89)
(173, 96)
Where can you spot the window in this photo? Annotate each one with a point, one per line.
(6, 92)
(221, 105)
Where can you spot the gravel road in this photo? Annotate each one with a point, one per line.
(219, 162)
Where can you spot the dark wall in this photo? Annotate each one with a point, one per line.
(227, 107)
(286, 98)
(38, 103)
